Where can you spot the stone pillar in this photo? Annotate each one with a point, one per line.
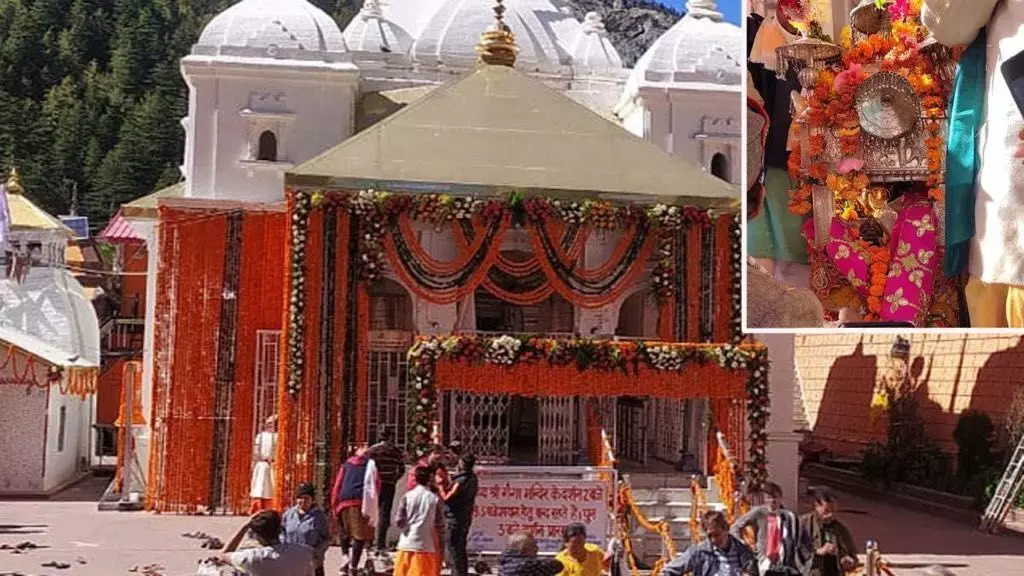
(783, 443)
(149, 230)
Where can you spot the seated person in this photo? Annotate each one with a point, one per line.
(272, 557)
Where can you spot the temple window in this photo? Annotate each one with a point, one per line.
(267, 148)
(720, 166)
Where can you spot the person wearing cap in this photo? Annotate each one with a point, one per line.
(580, 558)
(261, 488)
(305, 523)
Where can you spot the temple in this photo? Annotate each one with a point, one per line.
(512, 242)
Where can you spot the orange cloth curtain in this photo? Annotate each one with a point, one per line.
(260, 300)
(190, 278)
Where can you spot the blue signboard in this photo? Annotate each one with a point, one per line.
(78, 224)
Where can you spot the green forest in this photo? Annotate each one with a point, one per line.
(91, 95)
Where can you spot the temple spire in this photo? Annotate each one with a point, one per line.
(497, 46)
(14, 183)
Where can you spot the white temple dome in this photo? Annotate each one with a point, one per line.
(543, 32)
(592, 49)
(283, 29)
(371, 31)
(702, 48)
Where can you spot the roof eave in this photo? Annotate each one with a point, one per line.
(309, 182)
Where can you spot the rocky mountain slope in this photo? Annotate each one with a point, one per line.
(633, 25)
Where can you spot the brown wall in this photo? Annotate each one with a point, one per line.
(133, 283)
(952, 372)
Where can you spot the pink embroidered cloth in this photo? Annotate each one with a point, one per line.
(912, 249)
(912, 264)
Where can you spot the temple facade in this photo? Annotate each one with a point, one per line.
(372, 220)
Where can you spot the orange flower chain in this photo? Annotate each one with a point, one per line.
(879, 273)
(831, 109)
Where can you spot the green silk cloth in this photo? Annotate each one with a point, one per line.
(775, 233)
(966, 115)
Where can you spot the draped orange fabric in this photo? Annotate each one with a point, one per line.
(191, 279)
(667, 319)
(541, 379)
(405, 228)
(362, 357)
(694, 241)
(455, 293)
(260, 301)
(637, 267)
(571, 257)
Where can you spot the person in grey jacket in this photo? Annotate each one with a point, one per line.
(782, 547)
(720, 554)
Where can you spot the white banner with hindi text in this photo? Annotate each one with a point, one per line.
(541, 507)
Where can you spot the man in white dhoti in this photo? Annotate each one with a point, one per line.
(261, 490)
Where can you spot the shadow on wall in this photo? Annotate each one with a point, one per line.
(947, 377)
(846, 399)
(998, 380)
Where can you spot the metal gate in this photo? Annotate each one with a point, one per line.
(387, 388)
(669, 429)
(268, 348)
(556, 436)
(631, 430)
(480, 422)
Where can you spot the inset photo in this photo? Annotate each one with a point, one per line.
(868, 205)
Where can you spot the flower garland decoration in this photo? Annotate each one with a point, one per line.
(609, 356)
(302, 204)
(736, 267)
(671, 220)
(831, 108)
(879, 270)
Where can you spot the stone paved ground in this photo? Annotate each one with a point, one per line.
(111, 543)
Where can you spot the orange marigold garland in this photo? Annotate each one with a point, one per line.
(524, 365)
(879, 270)
(831, 108)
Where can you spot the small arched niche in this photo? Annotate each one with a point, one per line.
(266, 150)
(390, 306)
(638, 316)
(720, 166)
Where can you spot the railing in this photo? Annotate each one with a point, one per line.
(124, 335)
(661, 528)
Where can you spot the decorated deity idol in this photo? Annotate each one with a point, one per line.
(868, 167)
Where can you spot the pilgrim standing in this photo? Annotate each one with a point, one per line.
(261, 489)
(782, 548)
(348, 503)
(306, 524)
(390, 468)
(420, 518)
(460, 499)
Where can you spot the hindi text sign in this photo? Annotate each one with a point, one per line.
(541, 507)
